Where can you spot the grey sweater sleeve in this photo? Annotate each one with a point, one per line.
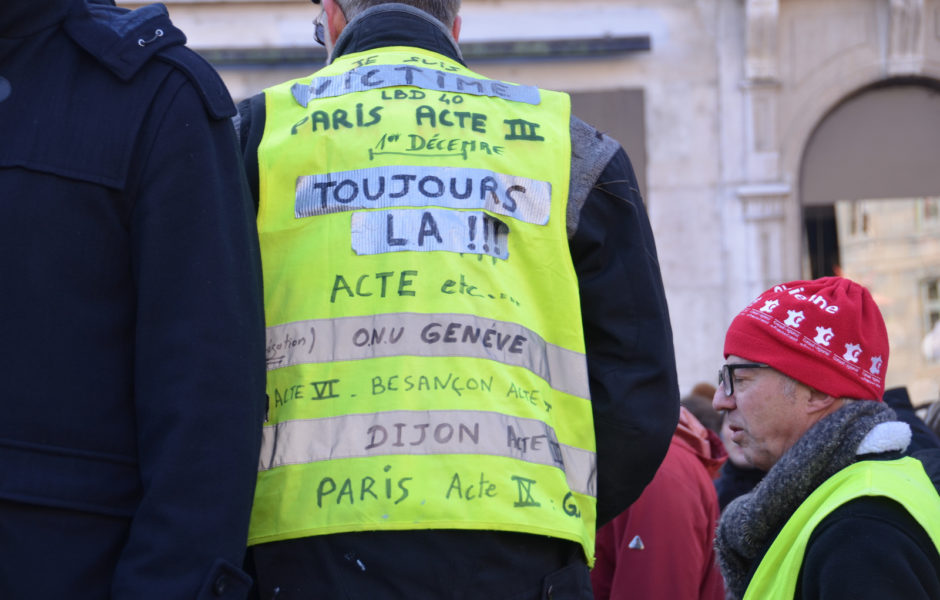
(628, 336)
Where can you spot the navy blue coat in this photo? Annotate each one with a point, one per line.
(131, 330)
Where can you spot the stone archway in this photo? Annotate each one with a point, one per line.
(894, 125)
(870, 193)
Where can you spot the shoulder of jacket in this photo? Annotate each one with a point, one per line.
(930, 460)
(125, 41)
(591, 150)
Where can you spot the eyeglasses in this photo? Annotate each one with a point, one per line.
(319, 28)
(319, 33)
(726, 374)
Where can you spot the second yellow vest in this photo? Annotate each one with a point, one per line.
(902, 480)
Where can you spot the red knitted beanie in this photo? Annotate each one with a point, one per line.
(827, 333)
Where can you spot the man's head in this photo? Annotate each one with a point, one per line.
(444, 11)
(337, 13)
(701, 407)
(793, 356)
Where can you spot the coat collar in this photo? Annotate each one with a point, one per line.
(395, 24)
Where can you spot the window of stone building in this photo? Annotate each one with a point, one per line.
(930, 299)
(930, 292)
(929, 213)
(620, 114)
(859, 219)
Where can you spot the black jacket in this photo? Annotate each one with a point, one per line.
(628, 337)
(734, 480)
(132, 371)
(922, 437)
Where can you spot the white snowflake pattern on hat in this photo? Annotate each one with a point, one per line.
(769, 306)
(851, 352)
(794, 318)
(823, 335)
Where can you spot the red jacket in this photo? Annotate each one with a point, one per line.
(662, 547)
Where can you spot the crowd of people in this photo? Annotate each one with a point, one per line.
(282, 350)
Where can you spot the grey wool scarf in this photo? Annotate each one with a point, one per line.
(748, 522)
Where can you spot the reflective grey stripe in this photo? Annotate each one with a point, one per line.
(525, 199)
(380, 232)
(384, 76)
(426, 433)
(418, 334)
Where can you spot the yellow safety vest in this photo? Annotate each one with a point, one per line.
(902, 480)
(425, 353)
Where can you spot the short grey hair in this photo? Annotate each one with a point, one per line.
(444, 11)
(790, 385)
